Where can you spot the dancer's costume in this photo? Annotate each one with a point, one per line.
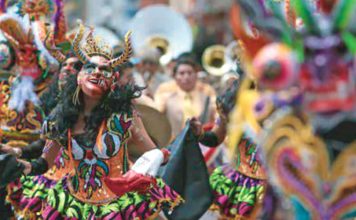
(239, 187)
(99, 186)
(308, 148)
(89, 195)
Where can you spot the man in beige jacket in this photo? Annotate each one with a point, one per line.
(185, 97)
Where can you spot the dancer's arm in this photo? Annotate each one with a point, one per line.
(140, 138)
(47, 159)
(31, 151)
(211, 138)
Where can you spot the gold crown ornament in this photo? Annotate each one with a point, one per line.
(96, 46)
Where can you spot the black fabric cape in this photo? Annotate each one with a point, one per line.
(187, 174)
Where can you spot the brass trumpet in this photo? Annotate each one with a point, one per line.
(219, 59)
(214, 61)
(163, 47)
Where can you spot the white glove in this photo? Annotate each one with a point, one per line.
(22, 92)
(149, 162)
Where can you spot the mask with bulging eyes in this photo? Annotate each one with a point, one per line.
(27, 61)
(275, 67)
(328, 76)
(96, 77)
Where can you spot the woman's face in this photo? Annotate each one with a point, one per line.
(95, 77)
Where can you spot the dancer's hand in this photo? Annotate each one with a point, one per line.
(149, 162)
(196, 126)
(27, 165)
(16, 151)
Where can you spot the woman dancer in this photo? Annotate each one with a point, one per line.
(93, 121)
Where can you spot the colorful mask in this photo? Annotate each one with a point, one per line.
(97, 75)
(311, 170)
(318, 59)
(327, 75)
(275, 67)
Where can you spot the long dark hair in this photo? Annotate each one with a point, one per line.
(66, 113)
(49, 98)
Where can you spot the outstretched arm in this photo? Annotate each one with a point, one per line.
(224, 104)
(220, 129)
(214, 137)
(46, 161)
(31, 151)
(12, 168)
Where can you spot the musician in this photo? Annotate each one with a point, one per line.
(185, 97)
(149, 70)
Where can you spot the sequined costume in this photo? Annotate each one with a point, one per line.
(28, 193)
(239, 187)
(99, 157)
(87, 194)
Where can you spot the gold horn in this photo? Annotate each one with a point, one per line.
(125, 56)
(76, 44)
(214, 60)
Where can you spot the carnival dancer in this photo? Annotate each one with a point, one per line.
(70, 66)
(25, 28)
(238, 186)
(31, 64)
(93, 121)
